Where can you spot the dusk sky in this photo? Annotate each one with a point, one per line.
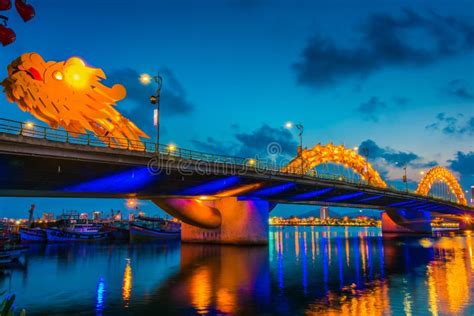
(396, 77)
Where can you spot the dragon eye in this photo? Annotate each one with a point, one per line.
(58, 75)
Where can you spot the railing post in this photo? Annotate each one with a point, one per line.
(88, 139)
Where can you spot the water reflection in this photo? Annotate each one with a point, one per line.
(100, 296)
(304, 270)
(218, 280)
(127, 283)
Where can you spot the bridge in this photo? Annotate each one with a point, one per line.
(219, 199)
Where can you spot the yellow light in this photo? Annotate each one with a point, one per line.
(77, 75)
(422, 172)
(356, 148)
(467, 218)
(131, 203)
(171, 147)
(288, 125)
(29, 125)
(127, 283)
(58, 75)
(251, 162)
(145, 79)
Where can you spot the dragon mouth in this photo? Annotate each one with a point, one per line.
(32, 72)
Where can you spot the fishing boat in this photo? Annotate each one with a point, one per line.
(32, 234)
(10, 254)
(63, 235)
(74, 228)
(154, 228)
(118, 230)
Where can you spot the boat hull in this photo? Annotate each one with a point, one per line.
(35, 235)
(56, 235)
(138, 233)
(11, 255)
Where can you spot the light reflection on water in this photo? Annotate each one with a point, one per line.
(304, 270)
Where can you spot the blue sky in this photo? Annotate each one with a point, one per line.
(394, 76)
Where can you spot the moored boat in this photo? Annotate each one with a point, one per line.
(148, 228)
(32, 234)
(58, 235)
(11, 254)
(118, 231)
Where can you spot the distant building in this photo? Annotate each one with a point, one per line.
(47, 217)
(324, 212)
(96, 215)
(472, 194)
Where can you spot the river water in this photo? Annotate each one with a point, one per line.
(304, 270)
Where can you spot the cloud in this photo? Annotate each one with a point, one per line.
(374, 108)
(464, 164)
(384, 40)
(136, 106)
(459, 89)
(264, 142)
(401, 101)
(453, 125)
(174, 100)
(212, 145)
(371, 109)
(393, 157)
(259, 139)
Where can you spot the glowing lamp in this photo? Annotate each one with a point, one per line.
(288, 125)
(145, 79)
(171, 147)
(29, 125)
(131, 203)
(252, 162)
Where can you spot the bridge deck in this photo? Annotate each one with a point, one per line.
(38, 166)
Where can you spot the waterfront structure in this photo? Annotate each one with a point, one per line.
(472, 194)
(47, 217)
(219, 199)
(315, 221)
(324, 212)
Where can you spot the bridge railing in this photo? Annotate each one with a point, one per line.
(28, 129)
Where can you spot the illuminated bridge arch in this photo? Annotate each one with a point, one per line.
(337, 154)
(443, 175)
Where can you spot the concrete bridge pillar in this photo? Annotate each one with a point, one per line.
(221, 221)
(404, 221)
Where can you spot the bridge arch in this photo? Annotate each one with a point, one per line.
(444, 175)
(338, 154)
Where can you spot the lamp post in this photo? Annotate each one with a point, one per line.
(300, 129)
(145, 79)
(405, 178)
(365, 152)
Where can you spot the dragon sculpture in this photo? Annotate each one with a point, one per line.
(70, 94)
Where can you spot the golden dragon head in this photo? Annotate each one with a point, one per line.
(69, 94)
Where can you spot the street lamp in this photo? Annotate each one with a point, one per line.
(300, 129)
(146, 79)
(405, 178)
